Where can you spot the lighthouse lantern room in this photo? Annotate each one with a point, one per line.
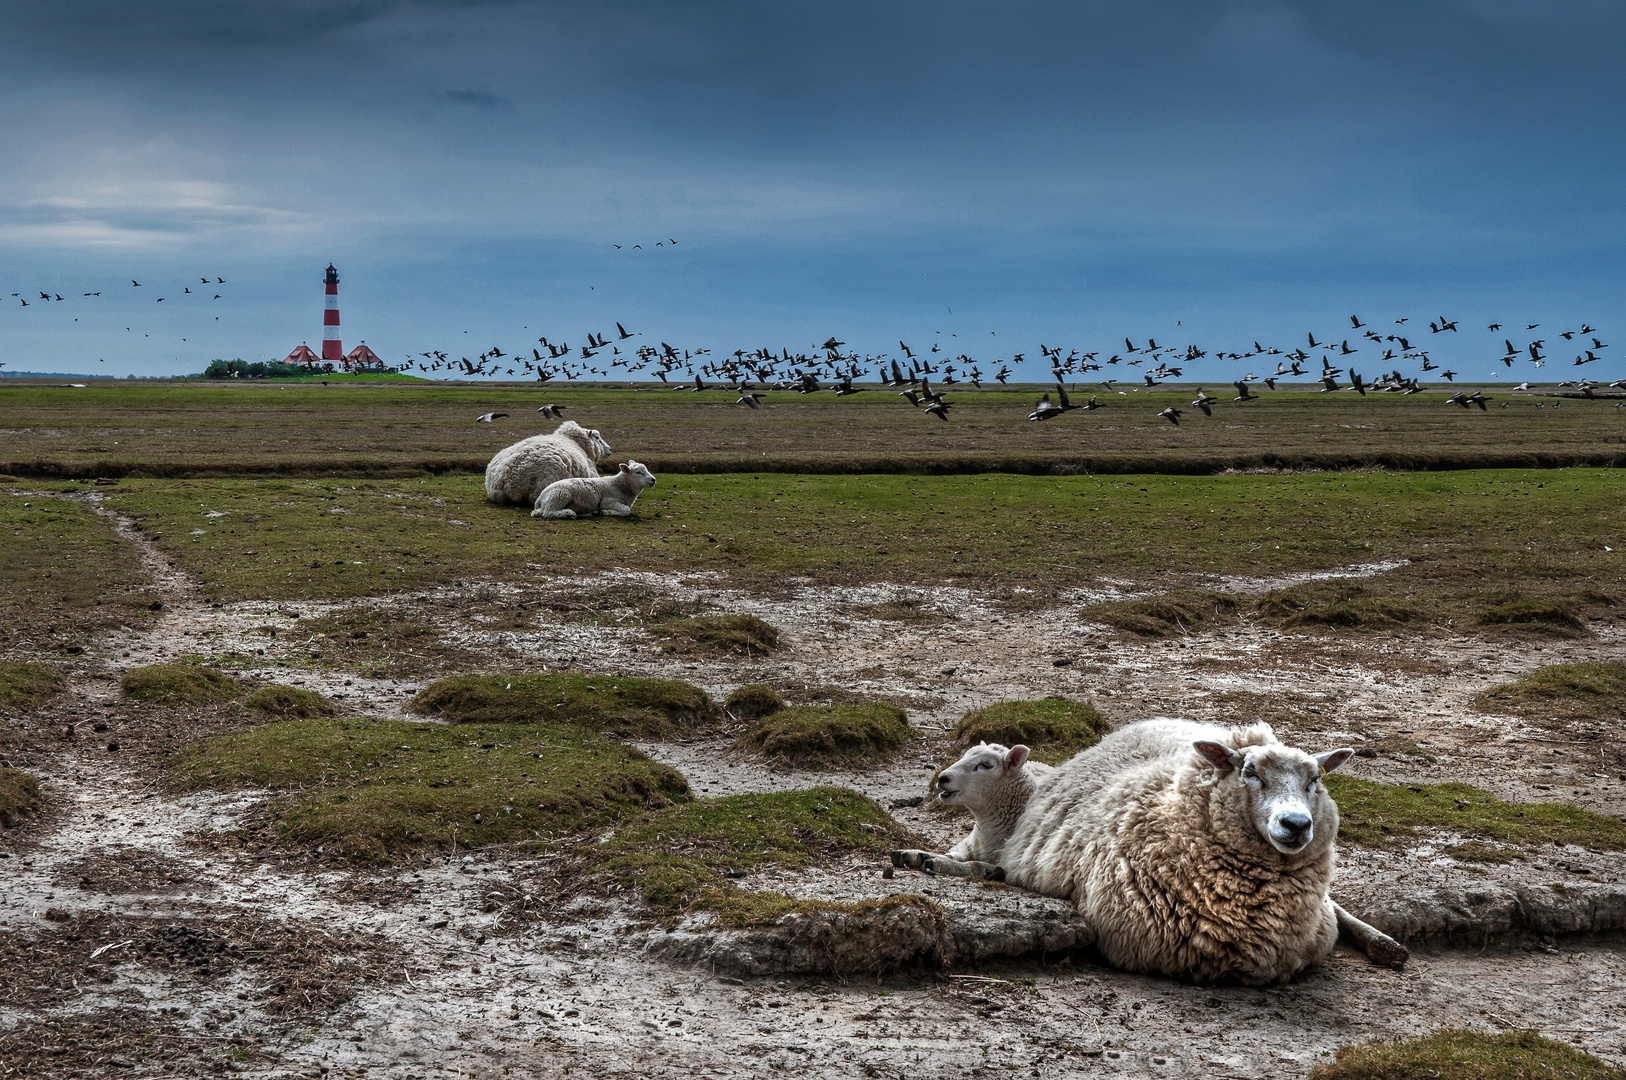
(332, 350)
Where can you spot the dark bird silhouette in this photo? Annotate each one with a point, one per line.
(749, 400)
(1204, 402)
(551, 412)
(1242, 393)
(486, 418)
(1172, 415)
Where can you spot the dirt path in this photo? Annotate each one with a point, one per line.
(567, 998)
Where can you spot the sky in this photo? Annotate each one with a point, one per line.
(991, 176)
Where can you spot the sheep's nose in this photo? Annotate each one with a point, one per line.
(1297, 825)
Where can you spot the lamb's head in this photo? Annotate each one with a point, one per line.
(969, 781)
(1278, 790)
(641, 476)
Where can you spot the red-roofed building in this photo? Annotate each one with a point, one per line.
(303, 355)
(363, 357)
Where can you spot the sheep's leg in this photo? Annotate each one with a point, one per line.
(914, 859)
(564, 513)
(1379, 947)
(615, 509)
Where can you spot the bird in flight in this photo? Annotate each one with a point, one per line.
(551, 412)
(486, 418)
(1172, 415)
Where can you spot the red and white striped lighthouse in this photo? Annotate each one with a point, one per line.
(332, 350)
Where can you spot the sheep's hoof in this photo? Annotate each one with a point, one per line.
(910, 859)
(1385, 951)
(991, 873)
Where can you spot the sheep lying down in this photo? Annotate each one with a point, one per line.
(582, 496)
(1194, 851)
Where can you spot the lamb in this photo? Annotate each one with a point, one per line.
(995, 784)
(581, 496)
(519, 473)
(1193, 851)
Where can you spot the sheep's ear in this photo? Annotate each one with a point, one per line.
(623, 467)
(1333, 758)
(1016, 757)
(1219, 755)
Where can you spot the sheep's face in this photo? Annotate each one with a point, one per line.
(637, 470)
(597, 446)
(1282, 790)
(969, 781)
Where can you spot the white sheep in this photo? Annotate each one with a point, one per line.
(521, 472)
(995, 784)
(582, 496)
(1193, 851)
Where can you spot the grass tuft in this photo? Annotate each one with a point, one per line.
(1340, 604)
(615, 704)
(1181, 612)
(679, 858)
(830, 736)
(1389, 815)
(753, 702)
(23, 686)
(19, 796)
(180, 684)
(1562, 692)
(289, 703)
(728, 635)
(373, 788)
(1053, 728)
(1554, 618)
(1454, 1054)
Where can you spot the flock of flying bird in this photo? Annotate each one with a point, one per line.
(749, 374)
(51, 297)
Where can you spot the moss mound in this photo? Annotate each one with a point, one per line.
(180, 684)
(1453, 1054)
(730, 635)
(289, 703)
(1336, 604)
(19, 796)
(1562, 692)
(372, 788)
(1389, 815)
(1553, 618)
(830, 736)
(1168, 615)
(753, 702)
(1053, 728)
(615, 704)
(683, 858)
(23, 686)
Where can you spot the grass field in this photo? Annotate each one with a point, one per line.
(1490, 535)
(394, 429)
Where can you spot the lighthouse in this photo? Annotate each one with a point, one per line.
(332, 350)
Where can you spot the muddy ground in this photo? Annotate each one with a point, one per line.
(275, 964)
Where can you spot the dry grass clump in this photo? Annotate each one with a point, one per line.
(753, 702)
(1340, 604)
(1455, 1054)
(289, 703)
(23, 686)
(369, 789)
(1549, 617)
(376, 644)
(731, 635)
(1175, 613)
(1562, 693)
(1389, 815)
(830, 736)
(685, 857)
(1053, 728)
(616, 704)
(19, 796)
(908, 609)
(179, 684)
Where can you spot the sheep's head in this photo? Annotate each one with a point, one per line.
(969, 781)
(1281, 790)
(597, 446)
(641, 475)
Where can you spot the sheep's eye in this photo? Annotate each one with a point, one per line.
(985, 765)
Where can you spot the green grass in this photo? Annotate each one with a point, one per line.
(25, 686)
(1548, 616)
(64, 573)
(378, 644)
(753, 702)
(1342, 604)
(1389, 815)
(179, 684)
(725, 635)
(615, 704)
(1455, 1054)
(677, 857)
(373, 788)
(1562, 693)
(283, 428)
(830, 736)
(1542, 532)
(1184, 611)
(289, 703)
(1053, 728)
(19, 796)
